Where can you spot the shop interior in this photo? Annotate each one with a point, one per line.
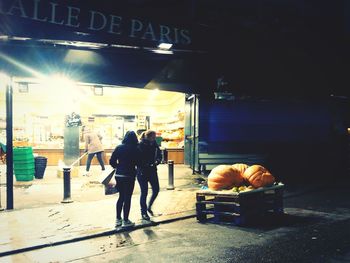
(41, 107)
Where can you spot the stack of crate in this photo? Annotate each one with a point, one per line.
(239, 208)
(23, 163)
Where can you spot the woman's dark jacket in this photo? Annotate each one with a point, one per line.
(151, 155)
(125, 158)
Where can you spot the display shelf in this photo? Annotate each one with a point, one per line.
(169, 126)
(167, 121)
(170, 129)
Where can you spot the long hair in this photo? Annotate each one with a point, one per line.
(149, 134)
(130, 138)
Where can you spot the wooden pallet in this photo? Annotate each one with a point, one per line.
(239, 208)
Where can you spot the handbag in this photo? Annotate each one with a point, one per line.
(110, 184)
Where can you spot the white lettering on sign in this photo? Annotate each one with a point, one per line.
(51, 12)
(93, 20)
(176, 33)
(17, 5)
(164, 34)
(186, 36)
(36, 12)
(149, 32)
(53, 15)
(115, 25)
(136, 26)
(73, 19)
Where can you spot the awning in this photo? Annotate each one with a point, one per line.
(105, 66)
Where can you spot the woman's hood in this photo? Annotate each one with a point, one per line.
(130, 138)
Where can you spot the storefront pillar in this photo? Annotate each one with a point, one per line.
(9, 146)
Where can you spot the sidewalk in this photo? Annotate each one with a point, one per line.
(54, 223)
(41, 220)
(49, 191)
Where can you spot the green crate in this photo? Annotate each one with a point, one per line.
(24, 166)
(24, 177)
(24, 171)
(23, 158)
(25, 162)
(22, 150)
(23, 153)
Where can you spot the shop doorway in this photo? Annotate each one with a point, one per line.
(40, 114)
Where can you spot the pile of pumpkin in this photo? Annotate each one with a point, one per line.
(239, 177)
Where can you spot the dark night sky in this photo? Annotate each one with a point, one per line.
(265, 47)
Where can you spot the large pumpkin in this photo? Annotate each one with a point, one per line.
(241, 167)
(224, 177)
(258, 176)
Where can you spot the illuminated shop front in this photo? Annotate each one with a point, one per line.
(39, 116)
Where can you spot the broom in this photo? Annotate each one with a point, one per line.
(77, 160)
(61, 164)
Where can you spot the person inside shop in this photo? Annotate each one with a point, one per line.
(147, 172)
(93, 146)
(125, 159)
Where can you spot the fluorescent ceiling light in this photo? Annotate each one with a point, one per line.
(98, 90)
(165, 46)
(75, 43)
(164, 52)
(23, 87)
(20, 38)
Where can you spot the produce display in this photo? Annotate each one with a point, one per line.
(258, 176)
(239, 177)
(242, 188)
(241, 167)
(174, 135)
(224, 177)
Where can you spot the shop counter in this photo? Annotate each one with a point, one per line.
(175, 154)
(55, 155)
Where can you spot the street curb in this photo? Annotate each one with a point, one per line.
(187, 215)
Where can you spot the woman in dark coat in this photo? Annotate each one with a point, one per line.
(147, 173)
(125, 158)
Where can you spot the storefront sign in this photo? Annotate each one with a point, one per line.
(38, 14)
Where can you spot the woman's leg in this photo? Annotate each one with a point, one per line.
(129, 189)
(121, 199)
(88, 162)
(100, 160)
(153, 179)
(141, 178)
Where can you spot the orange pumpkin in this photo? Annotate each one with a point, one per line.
(224, 177)
(241, 167)
(258, 176)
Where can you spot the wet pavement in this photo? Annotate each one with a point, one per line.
(302, 235)
(49, 190)
(315, 228)
(49, 224)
